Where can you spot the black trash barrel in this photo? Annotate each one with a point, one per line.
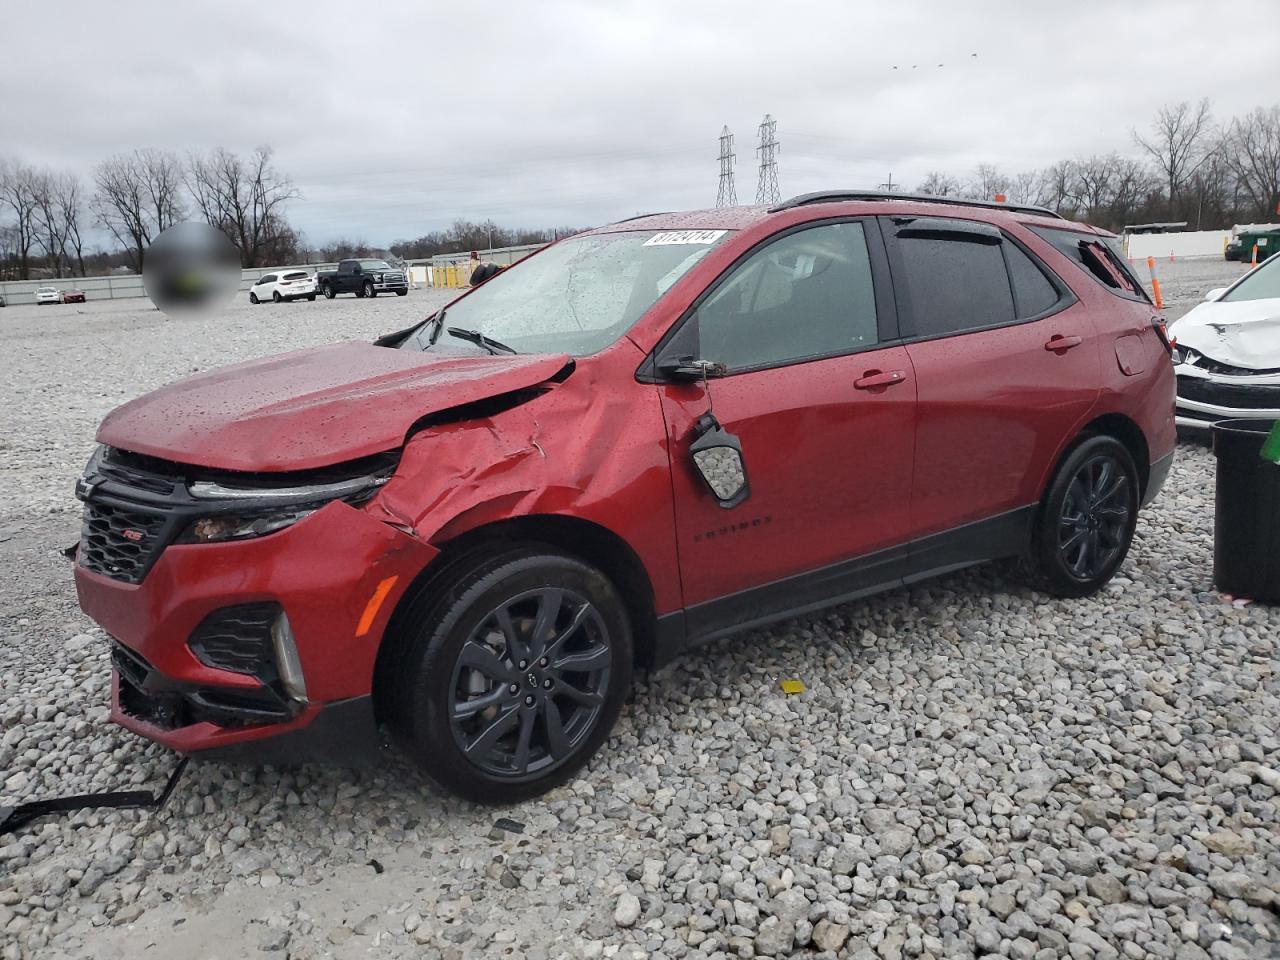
(1246, 523)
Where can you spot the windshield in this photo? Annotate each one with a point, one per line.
(374, 265)
(1260, 284)
(577, 296)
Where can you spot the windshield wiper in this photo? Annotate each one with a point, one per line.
(480, 340)
(436, 323)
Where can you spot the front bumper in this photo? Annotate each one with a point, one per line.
(1204, 398)
(323, 572)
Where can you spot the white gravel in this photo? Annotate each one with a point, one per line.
(973, 768)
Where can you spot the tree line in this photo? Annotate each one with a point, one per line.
(133, 197)
(1186, 167)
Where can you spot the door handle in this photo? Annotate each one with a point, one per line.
(1059, 342)
(875, 378)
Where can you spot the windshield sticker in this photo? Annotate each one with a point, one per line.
(684, 236)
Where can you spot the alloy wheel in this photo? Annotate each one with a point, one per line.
(530, 683)
(1093, 525)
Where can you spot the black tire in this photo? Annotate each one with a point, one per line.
(1084, 525)
(327, 290)
(275, 296)
(367, 290)
(311, 298)
(458, 680)
(253, 298)
(402, 293)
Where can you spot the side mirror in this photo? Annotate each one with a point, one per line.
(717, 457)
(1214, 294)
(689, 369)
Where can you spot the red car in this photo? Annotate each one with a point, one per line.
(666, 430)
(73, 296)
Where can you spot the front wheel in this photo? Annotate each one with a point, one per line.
(511, 674)
(253, 298)
(311, 298)
(367, 290)
(1086, 521)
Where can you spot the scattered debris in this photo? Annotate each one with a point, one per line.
(506, 825)
(377, 866)
(790, 687)
(11, 818)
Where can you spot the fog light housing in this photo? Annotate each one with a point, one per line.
(287, 663)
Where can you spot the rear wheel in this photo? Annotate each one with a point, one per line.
(253, 298)
(275, 296)
(1086, 520)
(367, 289)
(327, 290)
(512, 674)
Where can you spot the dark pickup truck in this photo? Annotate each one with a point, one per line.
(364, 278)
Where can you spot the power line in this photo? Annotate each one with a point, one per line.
(727, 195)
(767, 184)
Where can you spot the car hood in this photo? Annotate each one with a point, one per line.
(311, 408)
(1244, 334)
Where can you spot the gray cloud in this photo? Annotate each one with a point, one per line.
(394, 118)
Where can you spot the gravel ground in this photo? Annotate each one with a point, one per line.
(973, 768)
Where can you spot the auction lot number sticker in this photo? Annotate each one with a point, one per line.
(684, 236)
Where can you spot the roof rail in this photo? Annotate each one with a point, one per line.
(834, 196)
(640, 216)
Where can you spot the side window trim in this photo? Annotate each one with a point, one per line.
(881, 284)
(906, 315)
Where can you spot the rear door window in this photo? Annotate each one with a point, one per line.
(954, 284)
(269, 278)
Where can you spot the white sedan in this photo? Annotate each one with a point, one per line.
(286, 285)
(48, 295)
(1227, 352)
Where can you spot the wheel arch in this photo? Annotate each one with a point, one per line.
(588, 541)
(1127, 431)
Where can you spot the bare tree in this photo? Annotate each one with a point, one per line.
(70, 205)
(1059, 187)
(18, 193)
(988, 180)
(1180, 140)
(1252, 154)
(937, 184)
(1094, 186)
(245, 199)
(1028, 187)
(138, 195)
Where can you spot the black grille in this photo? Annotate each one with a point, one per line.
(236, 638)
(120, 542)
(1236, 396)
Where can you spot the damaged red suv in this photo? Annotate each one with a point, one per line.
(666, 430)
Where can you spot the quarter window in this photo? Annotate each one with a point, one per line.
(955, 284)
(808, 294)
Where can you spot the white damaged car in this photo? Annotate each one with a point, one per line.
(1227, 351)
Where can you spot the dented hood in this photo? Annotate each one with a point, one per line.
(1243, 334)
(311, 408)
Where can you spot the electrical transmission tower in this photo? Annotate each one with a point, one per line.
(767, 185)
(727, 195)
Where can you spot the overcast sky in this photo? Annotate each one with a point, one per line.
(395, 118)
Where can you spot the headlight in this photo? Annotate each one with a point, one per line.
(256, 511)
(1183, 354)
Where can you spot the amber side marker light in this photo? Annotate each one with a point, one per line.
(374, 605)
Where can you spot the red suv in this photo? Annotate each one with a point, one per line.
(666, 430)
